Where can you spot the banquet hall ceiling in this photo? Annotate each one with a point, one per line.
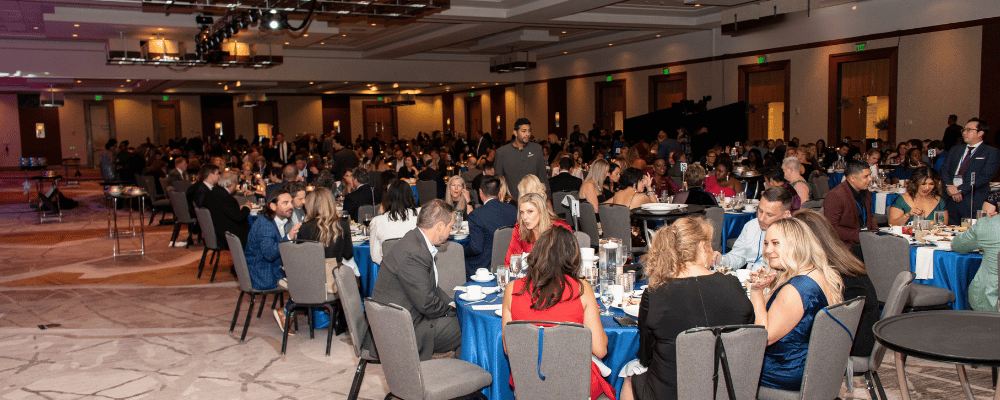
(460, 30)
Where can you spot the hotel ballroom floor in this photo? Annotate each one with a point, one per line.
(144, 327)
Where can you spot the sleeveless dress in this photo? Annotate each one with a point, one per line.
(785, 360)
(903, 205)
(570, 309)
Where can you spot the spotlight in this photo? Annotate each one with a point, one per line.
(243, 21)
(255, 15)
(226, 32)
(274, 21)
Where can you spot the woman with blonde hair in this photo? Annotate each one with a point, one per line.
(323, 224)
(592, 189)
(458, 196)
(531, 184)
(792, 168)
(683, 293)
(804, 285)
(504, 196)
(534, 217)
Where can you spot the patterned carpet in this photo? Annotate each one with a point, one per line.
(146, 328)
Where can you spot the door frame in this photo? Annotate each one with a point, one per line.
(273, 104)
(655, 79)
(836, 60)
(378, 104)
(176, 105)
(744, 88)
(468, 114)
(112, 134)
(599, 100)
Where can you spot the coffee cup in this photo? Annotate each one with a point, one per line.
(586, 253)
(474, 291)
(482, 273)
(898, 230)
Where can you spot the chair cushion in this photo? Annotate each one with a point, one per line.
(161, 203)
(922, 295)
(766, 393)
(861, 364)
(448, 378)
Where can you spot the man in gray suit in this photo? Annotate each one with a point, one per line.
(408, 277)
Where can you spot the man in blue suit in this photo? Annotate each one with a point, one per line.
(270, 228)
(975, 157)
(483, 221)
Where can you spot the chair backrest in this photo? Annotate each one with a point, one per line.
(148, 183)
(885, 257)
(426, 191)
(830, 348)
(681, 197)
(207, 229)
(565, 360)
(241, 200)
(696, 356)
(501, 242)
(239, 262)
(814, 204)
(387, 246)
(582, 239)
(364, 210)
(182, 214)
(350, 300)
(893, 306)
(821, 183)
(396, 342)
(451, 267)
(616, 222)
(588, 222)
(164, 186)
(558, 208)
(718, 217)
(182, 185)
(305, 268)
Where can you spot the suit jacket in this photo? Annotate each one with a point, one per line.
(173, 176)
(984, 162)
(564, 182)
(483, 221)
(196, 194)
(281, 151)
(844, 214)
(952, 136)
(263, 257)
(406, 278)
(484, 145)
(227, 216)
(363, 195)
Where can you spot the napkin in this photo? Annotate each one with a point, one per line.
(486, 289)
(486, 307)
(633, 367)
(605, 371)
(924, 268)
(880, 202)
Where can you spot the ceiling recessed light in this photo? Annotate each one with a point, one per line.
(322, 42)
(76, 25)
(310, 83)
(75, 35)
(128, 80)
(159, 29)
(344, 35)
(286, 42)
(563, 31)
(305, 35)
(657, 35)
(565, 52)
(78, 81)
(611, 44)
(35, 27)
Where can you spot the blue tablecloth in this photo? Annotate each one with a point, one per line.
(835, 178)
(732, 226)
(369, 270)
(482, 344)
(889, 199)
(416, 198)
(952, 271)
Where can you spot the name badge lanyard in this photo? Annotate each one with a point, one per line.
(864, 215)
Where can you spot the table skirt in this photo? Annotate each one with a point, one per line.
(952, 271)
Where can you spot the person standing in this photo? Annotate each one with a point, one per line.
(483, 222)
(967, 194)
(953, 133)
(521, 157)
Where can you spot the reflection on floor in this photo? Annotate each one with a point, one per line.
(145, 327)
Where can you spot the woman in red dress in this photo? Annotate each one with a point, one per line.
(533, 218)
(552, 292)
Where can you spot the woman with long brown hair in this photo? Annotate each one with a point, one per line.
(323, 224)
(553, 291)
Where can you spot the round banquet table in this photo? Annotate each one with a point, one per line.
(732, 226)
(952, 271)
(754, 184)
(646, 216)
(482, 343)
(369, 269)
(835, 178)
(956, 337)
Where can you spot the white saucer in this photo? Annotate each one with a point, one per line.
(482, 280)
(499, 313)
(460, 236)
(465, 296)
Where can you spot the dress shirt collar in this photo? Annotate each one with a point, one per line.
(973, 147)
(434, 251)
(182, 172)
(280, 222)
(210, 186)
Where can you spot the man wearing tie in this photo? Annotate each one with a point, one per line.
(968, 171)
(179, 173)
(281, 148)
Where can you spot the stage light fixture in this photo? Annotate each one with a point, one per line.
(274, 21)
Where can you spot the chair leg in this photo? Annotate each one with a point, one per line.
(216, 268)
(388, 396)
(284, 337)
(871, 386)
(201, 264)
(878, 384)
(177, 231)
(236, 313)
(359, 376)
(152, 215)
(310, 322)
(329, 334)
(275, 301)
(262, 301)
(994, 378)
(211, 257)
(246, 324)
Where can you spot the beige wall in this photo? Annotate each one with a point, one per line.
(425, 116)
(10, 131)
(300, 114)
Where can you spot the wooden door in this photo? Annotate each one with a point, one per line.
(610, 107)
(665, 90)
(766, 89)
(100, 126)
(379, 121)
(265, 121)
(859, 81)
(473, 115)
(166, 121)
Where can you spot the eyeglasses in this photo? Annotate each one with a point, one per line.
(970, 129)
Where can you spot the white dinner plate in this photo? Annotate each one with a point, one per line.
(632, 310)
(465, 296)
(499, 313)
(482, 280)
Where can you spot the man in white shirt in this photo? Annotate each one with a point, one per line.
(775, 204)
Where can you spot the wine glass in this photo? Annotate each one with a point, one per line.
(503, 277)
(606, 297)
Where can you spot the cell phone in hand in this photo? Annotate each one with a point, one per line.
(626, 321)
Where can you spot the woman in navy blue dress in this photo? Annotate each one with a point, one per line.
(802, 286)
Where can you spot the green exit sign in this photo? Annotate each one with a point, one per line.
(98, 97)
(608, 79)
(761, 59)
(166, 98)
(379, 99)
(666, 71)
(473, 94)
(861, 46)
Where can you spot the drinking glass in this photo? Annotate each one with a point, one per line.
(515, 264)
(606, 297)
(939, 218)
(627, 280)
(503, 277)
(980, 214)
(458, 221)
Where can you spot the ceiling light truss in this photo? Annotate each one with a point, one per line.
(390, 11)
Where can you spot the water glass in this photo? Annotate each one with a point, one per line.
(981, 214)
(503, 277)
(458, 221)
(627, 280)
(918, 222)
(939, 218)
(607, 297)
(515, 264)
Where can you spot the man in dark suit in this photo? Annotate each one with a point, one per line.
(288, 174)
(281, 150)
(953, 133)
(975, 158)
(344, 159)
(227, 215)
(483, 221)
(179, 173)
(209, 176)
(433, 173)
(564, 182)
(302, 169)
(409, 278)
(360, 193)
(848, 206)
(483, 145)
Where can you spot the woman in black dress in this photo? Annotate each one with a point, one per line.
(323, 224)
(683, 293)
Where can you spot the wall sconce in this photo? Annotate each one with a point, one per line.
(498, 123)
(447, 122)
(40, 131)
(336, 125)
(218, 128)
(557, 119)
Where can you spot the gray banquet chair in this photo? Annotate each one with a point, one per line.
(868, 366)
(501, 241)
(588, 222)
(565, 360)
(888, 255)
(243, 278)
(451, 267)
(718, 217)
(387, 246)
(426, 191)
(211, 240)
(829, 351)
(559, 209)
(582, 239)
(364, 210)
(822, 183)
(409, 378)
(158, 201)
(744, 346)
(617, 224)
(305, 269)
(357, 324)
(182, 216)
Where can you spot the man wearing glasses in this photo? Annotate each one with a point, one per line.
(968, 171)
